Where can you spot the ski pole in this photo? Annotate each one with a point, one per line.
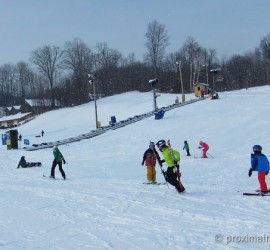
(210, 155)
(162, 171)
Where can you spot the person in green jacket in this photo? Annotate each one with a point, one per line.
(58, 159)
(172, 159)
(186, 147)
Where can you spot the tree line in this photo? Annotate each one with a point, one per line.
(62, 73)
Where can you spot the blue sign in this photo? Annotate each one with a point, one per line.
(26, 142)
(5, 137)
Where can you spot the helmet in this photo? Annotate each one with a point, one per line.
(151, 145)
(161, 143)
(200, 142)
(257, 148)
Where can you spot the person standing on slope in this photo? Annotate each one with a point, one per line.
(172, 159)
(150, 157)
(204, 146)
(260, 163)
(186, 147)
(58, 159)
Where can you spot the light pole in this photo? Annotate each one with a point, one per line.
(206, 72)
(91, 81)
(181, 81)
(214, 71)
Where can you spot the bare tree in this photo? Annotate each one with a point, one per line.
(265, 47)
(47, 61)
(107, 62)
(79, 59)
(157, 41)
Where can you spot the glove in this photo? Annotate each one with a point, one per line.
(142, 163)
(199, 147)
(64, 161)
(267, 173)
(249, 172)
(175, 162)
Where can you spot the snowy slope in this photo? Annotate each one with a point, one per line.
(103, 204)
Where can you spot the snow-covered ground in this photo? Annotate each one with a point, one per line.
(103, 203)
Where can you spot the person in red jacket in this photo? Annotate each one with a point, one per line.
(150, 157)
(204, 146)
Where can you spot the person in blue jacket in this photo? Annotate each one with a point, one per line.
(259, 163)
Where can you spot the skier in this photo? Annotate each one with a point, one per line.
(172, 159)
(186, 147)
(150, 157)
(204, 146)
(42, 133)
(58, 159)
(260, 163)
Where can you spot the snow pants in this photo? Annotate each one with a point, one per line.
(55, 163)
(171, 177)
(204, 153)
(151, 173)
(261, 178)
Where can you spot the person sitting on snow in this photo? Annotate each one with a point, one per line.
(22, 163)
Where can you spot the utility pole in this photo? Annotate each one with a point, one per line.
(91, 81)
(181, 81)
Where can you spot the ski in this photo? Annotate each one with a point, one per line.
(257, 194)
(157, 183)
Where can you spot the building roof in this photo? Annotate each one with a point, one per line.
(14, 117)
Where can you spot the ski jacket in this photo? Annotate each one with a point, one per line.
(150, 156)
(186, 146)
(171, 156)
(58, 157)
(22, 163)
(259, 162)
(204, 146)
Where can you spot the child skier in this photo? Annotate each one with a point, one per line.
(186, 147)
(260, 163)
(172, 159)
(204, 146)
(150, 157)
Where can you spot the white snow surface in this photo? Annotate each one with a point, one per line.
(103, 203)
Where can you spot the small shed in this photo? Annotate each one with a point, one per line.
(199, 87)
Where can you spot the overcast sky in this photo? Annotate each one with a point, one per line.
(229, 26)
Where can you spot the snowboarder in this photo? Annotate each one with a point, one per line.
(58, 159)
(260, 163)
(186, 147)
(150, 157)
(204, 146)
(24, 164)
(172, 159)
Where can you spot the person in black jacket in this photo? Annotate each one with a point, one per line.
(150, 157)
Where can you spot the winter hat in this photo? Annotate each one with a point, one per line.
(152, 145)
